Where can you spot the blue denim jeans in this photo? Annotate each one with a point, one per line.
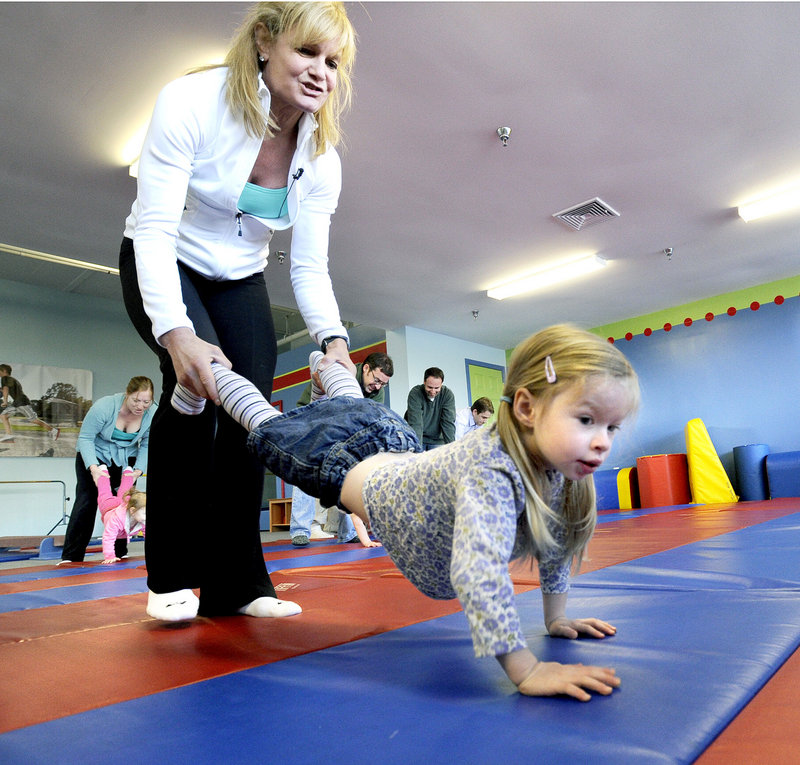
(303, 509)
(346, 529)
(313, 447)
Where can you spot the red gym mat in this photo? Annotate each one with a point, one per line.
(65, 659)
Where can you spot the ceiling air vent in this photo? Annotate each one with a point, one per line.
(586, 214)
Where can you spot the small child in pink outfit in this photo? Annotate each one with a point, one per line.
(123, 513)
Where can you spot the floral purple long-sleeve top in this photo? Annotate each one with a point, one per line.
(452, 519)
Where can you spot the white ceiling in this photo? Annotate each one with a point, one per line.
(672, 113)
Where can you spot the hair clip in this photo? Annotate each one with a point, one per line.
(507, 399)
(549, 370)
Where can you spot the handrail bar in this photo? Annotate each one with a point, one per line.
(64, 516)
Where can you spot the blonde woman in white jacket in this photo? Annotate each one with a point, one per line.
(232, 154)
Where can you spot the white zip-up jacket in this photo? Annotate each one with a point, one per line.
(195, 161)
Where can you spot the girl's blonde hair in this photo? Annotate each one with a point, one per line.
(134, 500)
(573, 356)
(309, 23)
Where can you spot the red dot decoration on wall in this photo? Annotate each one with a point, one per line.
(688, 321)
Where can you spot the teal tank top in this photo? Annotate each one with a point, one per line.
(122, 436)
(263, 203)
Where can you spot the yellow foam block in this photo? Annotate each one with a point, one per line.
(708, 480)
(626, 493)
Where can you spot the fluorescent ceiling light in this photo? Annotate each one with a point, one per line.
(60, 259)
(132, 150)
(129, 153)
(133, 146)
(775, 203)
(546, 277)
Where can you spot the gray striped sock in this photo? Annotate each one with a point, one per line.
(241, 399)
(336, 380)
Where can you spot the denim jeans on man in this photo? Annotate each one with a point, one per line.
(304, 508)
(313, 447)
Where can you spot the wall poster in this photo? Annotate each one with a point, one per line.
(44, 409)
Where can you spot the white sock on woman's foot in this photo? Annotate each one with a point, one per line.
(178, 606)
(241, 399)
(270, 607)
(336, 380)
(186, 402)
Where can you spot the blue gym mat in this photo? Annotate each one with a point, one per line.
(607, 516)
(78, 593)
(700, 629)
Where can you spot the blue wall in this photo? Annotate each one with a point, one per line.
(740, 374)
(62, 329)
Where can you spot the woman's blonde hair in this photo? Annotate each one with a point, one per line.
(308, 23)
(135, 384)
(572, 356)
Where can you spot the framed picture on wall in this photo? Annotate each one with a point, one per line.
(42, 409)
(485, 380)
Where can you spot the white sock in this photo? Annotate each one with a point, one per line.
(178, 606)
(336, 380)
(266, 606)
(241, 399)
(186, 402)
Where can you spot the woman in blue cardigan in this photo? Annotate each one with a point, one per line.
(114, 434)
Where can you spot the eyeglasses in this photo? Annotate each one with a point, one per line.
(377, 380)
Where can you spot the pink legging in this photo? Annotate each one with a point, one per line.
(106, 499)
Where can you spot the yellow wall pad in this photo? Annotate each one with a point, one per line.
(627, 489)
(708, 480)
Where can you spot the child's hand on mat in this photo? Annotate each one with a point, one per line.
(549, 678)
(371, 543)
(109, 561)
(571, 628)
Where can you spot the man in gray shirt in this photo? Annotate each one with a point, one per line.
(431, 410)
